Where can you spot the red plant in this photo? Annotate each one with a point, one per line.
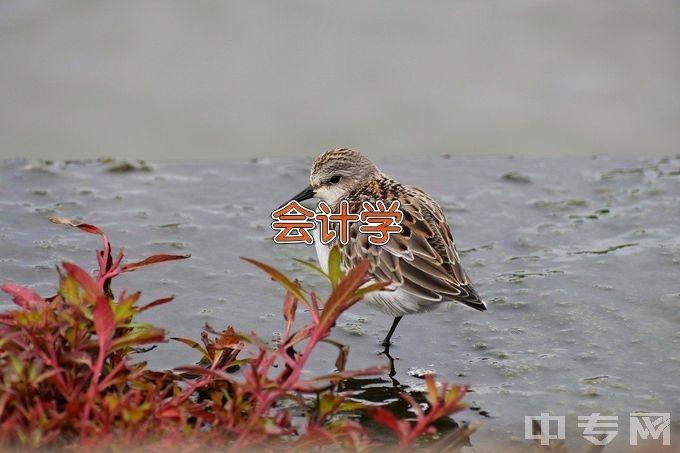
(63, 359)
(66, 378)
(442, 403)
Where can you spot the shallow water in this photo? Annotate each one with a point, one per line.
(578, 258)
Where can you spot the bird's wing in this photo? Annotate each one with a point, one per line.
(422, 259)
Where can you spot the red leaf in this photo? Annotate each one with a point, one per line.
(84, 280)
(90, 229)
(157, 302)
(73, 407)
(102, 255)
(289, 309)
(152, 260)
(300, 335)
(105, 326)
(401, 428)
(169, 413)
(83, 226)
(104, 322)
(24, 297)
(386, 418)
(343, 295)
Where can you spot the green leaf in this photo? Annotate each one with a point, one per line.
(361, 292)
(328, 404)
(312, 266)
(343, 296)
(140, 335)
(69, 290)
(351, 405)
(294, 288)
(335, 273)
(124, 309)
(193, 344)
(216, 374)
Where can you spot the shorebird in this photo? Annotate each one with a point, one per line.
(421, 263)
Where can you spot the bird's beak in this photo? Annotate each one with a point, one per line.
(306, 194)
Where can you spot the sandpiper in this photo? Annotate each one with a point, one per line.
(421, 263)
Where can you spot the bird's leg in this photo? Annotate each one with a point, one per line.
(386, 341)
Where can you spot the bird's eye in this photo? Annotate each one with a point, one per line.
(335, 179)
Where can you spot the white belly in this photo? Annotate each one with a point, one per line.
(394, 303)
(322, 250)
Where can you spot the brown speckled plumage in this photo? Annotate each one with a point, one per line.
(421, 260)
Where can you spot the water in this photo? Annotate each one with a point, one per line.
(578, 258)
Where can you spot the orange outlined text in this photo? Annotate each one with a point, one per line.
(293, 223)
(379, 221)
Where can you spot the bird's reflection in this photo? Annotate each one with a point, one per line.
(386, 391)
(390, 362)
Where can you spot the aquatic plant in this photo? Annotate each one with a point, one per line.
(69, 374)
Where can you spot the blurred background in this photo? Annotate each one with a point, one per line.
(208, 79)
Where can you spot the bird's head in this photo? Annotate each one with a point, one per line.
(335, 173)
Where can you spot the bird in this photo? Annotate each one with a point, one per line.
(420, 264)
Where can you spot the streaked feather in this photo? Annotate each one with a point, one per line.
(422, 262)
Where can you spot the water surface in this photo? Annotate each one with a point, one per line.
(578, 258)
